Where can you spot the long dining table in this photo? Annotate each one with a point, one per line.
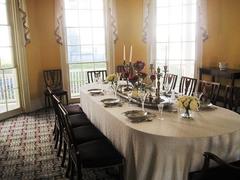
(164, 149)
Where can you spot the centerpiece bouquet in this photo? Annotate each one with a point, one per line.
(188, 103)
(112, 78)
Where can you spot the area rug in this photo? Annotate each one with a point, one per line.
(27, 150)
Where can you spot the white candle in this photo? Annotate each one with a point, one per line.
(124, 53)
(130, 56)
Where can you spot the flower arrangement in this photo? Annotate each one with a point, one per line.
(188, 103)
(112, 78)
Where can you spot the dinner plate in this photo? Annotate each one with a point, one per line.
(138, 115)
(207, 106)
(95, 91)
(110, 101)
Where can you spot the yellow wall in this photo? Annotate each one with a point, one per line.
(224, 39)
(43, 52)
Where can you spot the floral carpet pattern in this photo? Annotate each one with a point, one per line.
(27, 149)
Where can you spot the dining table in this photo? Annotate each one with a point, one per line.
(166, 149)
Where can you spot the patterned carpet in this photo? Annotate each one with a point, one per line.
(27, 150)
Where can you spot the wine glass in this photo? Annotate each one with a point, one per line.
(142, 94)
(129, 94)
(115, 87)
(96, 77)
(160, 109)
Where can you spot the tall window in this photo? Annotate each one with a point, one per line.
(9, 90)
(85, 40)
(176, 35)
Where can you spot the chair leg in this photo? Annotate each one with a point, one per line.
(68, 166)
(60, 144)
(57, 136)
(121, 172)
(72, 170)
(64, 153)
(67, 99)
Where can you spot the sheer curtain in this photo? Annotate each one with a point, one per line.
(174, 32)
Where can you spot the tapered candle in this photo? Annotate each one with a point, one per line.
(124, 53)
(165, 55)
(130, 56)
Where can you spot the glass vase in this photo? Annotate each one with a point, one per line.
(186, 114)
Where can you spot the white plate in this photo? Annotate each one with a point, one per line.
(110, 101)
(138, 115)
(95, 91)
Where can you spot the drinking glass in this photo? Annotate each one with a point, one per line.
(142, 94)
(160, 109)
(129, 94)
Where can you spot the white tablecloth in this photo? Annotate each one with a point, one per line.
(168, 149)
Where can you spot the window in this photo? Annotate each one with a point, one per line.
(176, 35)
(85, 40)
(9, 90)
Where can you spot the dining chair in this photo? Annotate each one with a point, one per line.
(98, 153)
(91, 75)
(171, 80)
(53, 79)
(224, 170)
(187, 85)
(236, 99)
(210, 90)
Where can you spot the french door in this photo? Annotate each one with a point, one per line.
(9, 86)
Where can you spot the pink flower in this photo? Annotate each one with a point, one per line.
(139, 65)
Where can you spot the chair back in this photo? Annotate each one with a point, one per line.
(67, 129)
(53, 78)
(171, 80)
(210, 90)
(91, 75)
(187, 85)
(236, 99)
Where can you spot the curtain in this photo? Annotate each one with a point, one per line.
(201, 32)
(22, 8)
(59, 14)
(149, 31)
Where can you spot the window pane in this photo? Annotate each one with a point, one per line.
(98, 36)
(86, 36)
(188, 50)
(161, 3)
(189, 33)
(175, 51)
(162, 51)
(175, 32)
(189, 1)
(162, 16)
(84, 4)
(99, 53)
(12, 101)
(175, 14)
(3, 105)
(73, 53)
(189, 13)
(86, 53)
(97, 4)
(84, 18)
(73, 36)
(175, 2)
(162, 33)
(3, 14)
(5, 35)
(6, 57)
(97, 18)
(71, 4)
(72, 18)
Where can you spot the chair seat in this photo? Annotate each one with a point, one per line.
(73, 109)
(98, 153)
(83, 134)
(219, 173)
(78, 120)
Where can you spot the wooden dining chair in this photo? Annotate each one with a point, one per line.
(171, 79)
(187, 85)
(53, 79)
(91, 75)
(89, 153)
(210, 90)
(224, 170)
(236, 99)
